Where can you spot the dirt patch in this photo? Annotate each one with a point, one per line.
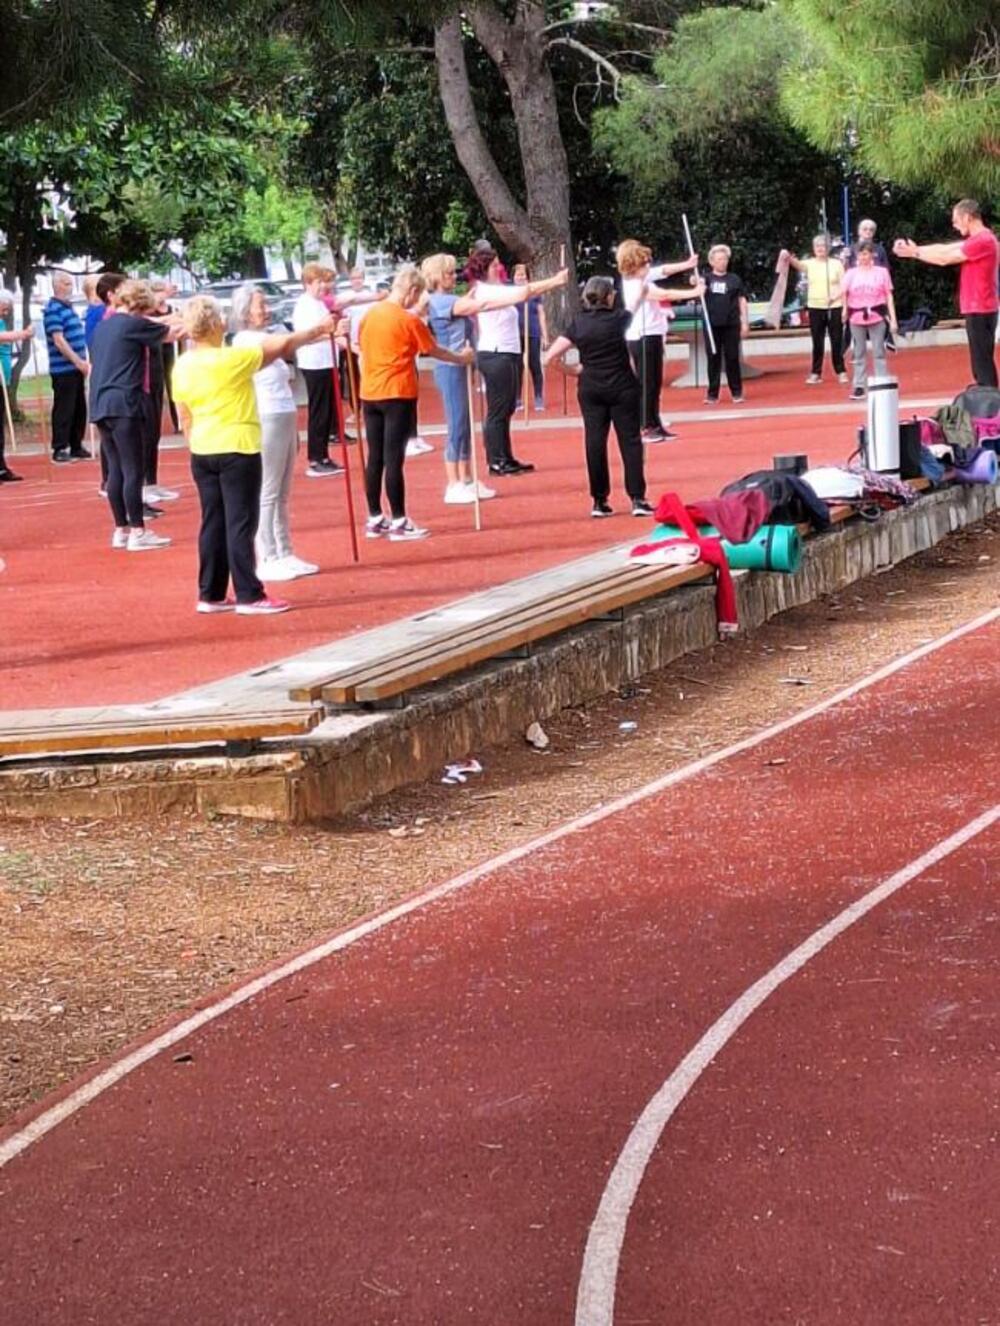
(110, 927)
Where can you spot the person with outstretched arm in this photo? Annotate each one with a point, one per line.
(824, 298)
(977, 254)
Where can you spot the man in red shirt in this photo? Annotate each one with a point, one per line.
(977, 251)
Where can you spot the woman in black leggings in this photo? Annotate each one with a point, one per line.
(391, 336)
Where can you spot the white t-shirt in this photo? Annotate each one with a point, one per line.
(355, 316)
(499, 329)
(310, 312)
(272, 383)
(650, 317)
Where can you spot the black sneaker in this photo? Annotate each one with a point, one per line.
(80, 453)
(62, 457)
(151, 512)
(8, 476)
(521, 466)
(504, 469)
(601, 509)
(640, 507)
(857, 394)
(323, 469)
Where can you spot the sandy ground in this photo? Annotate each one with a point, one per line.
(110, 927)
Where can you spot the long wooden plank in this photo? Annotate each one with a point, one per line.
(120, 720)
(590, 599)
(224, 728)
(406, 678)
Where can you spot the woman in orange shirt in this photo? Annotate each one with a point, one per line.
(391, 335)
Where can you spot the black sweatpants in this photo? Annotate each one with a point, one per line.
(981, 331)
(152, 427)
(535, 369)
(69, 410)
(122, 451)
(3, 431)
(502, 374)
(319, 390)
(388, 426)
(824, 321)
(647, 360)
(602, 407)
(229, 492)
(727, 347)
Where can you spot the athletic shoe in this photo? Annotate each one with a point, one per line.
(459, 494)
(142, 540)
(264, 607)
(275, 568)
(842, 377)
(484, 493)
(521, 466)
(505, 469)
(418, 446)
(218, 605)
(711, 400)
(654, 435)
(891, 347)
(62, 457)
(401, 531)
(737, 400)
(8, 476)
(813, 380)
(857, 394)
(323, 469)
(600, 510)
(375, 527)
(154, 493)
(102, 491)
(539, 405)
(151, 512)
(302, 567)
(640, 507)
(119, 538)
(80, 453)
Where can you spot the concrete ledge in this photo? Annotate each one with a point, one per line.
(352, 758)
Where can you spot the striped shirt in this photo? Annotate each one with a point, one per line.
(60, 317)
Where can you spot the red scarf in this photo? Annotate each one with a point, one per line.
(672, 511)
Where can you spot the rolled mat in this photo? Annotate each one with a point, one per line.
(772, 548)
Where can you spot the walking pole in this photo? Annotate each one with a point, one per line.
(338, 399)
(704, 305)
(9, 416)
(352, 383)
(526, 342)
(40, 403)
(472, 445)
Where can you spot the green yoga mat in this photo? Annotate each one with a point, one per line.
(772, 548)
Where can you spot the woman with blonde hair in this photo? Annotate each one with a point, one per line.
(391, 336)
(119, 404)
(214, 391)
(645, 301)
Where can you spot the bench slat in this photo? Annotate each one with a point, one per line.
(217, 728)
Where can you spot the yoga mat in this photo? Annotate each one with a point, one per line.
(772, 548)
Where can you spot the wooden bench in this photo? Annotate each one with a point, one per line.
(65, 731)
(508, 632)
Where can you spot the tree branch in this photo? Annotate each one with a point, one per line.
(618, 22)
(601, 61)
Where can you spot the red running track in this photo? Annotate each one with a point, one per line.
(418, 1127)
(84, 625)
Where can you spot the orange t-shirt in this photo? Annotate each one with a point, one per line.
(390, 340)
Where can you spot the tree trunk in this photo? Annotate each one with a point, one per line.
(537, 232)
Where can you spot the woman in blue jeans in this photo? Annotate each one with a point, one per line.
(452, 329)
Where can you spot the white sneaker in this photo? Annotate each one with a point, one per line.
(375, 527)
(484, 493)
(275, 568)
(813, 380)
(418, 446)
(459, 494)
(300, 566)
(141, 540)
(401, 531)
(154, 493)
(119, 539)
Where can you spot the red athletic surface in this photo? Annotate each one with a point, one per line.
(85, 625)
(419, 1128)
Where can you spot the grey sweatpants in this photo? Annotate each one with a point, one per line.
(279, 443)
(875, 334)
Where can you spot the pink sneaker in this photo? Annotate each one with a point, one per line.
(220, 605)
(262, 608)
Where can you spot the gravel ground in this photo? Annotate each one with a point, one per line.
(110, 927)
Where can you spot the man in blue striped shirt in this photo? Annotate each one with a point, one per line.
(68, 368)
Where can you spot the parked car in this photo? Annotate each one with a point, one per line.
(281, 303)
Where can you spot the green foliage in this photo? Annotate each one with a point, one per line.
(912, 86)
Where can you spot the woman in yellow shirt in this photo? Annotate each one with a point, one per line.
(823, 301)
(214, 392)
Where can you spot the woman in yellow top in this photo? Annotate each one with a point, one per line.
(823, 300)
(391, 336)
(214, 391)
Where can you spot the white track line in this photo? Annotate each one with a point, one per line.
(595, 1303)
(121, 1068)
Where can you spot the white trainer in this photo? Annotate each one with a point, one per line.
(402, 531)
(276, 568)
(459, 494)
(484, 493)
(142, 540)
(418, 446)
(119, 539)
(300, 566)
(154, 493)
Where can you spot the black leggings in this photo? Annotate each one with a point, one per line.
(229, 492)
(727, 346)
(388, 426)
(121, 447)
(647, 360)
(319, 390)
(502, 374)
(600, 409)
(822, 321)
(534, 367)
(981, 330)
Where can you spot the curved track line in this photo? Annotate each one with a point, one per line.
(595, 1303)
(121, 1068)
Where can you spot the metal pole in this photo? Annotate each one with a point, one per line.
(40, 402)
(9, 416)
(472, 445)
(338, 399)
(704, 306)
